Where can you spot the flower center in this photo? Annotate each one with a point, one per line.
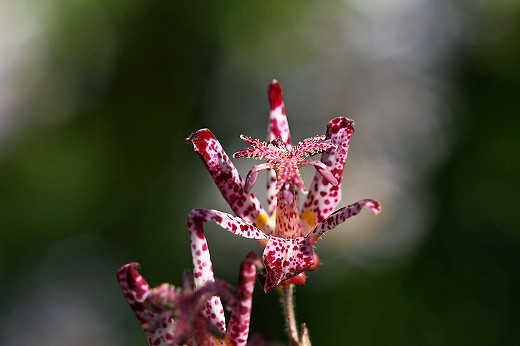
(286, 161)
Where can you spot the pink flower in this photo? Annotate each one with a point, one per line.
(175, 316)
(287, 233)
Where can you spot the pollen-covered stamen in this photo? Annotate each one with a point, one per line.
(259, 150)
(285, 160)
(312, 146)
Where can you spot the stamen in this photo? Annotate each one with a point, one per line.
(286, 161)
(323, 170)
(253, 175)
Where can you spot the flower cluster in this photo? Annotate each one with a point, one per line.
(173, 316)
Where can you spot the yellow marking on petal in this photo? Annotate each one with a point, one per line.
(261, 220)
(226, 342)
(309, 217)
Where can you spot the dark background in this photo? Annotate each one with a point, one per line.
(97, 98)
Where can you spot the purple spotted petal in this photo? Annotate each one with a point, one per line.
(278, 128)
(341, 215)
(278, 125)
(191, 326)
(238, 328)
(285, 258)
(157, 323)
(324, 197)
(227, 221)
(166, 298)
(170, 315)
(202, 265)
(228, 180)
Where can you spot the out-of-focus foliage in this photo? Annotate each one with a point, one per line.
(96, 98)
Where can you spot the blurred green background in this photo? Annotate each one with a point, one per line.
(97, 98)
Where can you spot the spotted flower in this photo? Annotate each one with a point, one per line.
(175, 316)
(287, 233)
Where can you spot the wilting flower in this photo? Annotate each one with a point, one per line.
(287, 233)
(175, 316)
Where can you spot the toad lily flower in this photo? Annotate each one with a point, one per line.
(173, 316)
(287, 234)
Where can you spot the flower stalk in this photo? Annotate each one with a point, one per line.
(287, 300)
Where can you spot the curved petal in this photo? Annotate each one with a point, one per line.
(228, 180)
(324, 197)
(238, 328)
(341, 215)
(278, 127)
(202, 265)
(284, 259)
(227, 221)
(191, 324)
(158, 325)
(165, 298)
